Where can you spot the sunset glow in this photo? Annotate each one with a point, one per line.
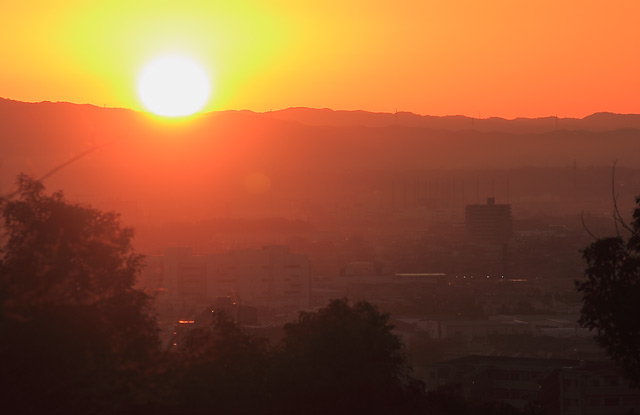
(173, 86)
(283, 207)
(480, 59)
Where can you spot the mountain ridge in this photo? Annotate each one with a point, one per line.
(599, 121)
(250, 164)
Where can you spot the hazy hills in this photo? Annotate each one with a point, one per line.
(595, 122)
(243, 163)
(315, 138)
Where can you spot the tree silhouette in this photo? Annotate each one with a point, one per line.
(221, 369)
(611, 293)
(77, 336)
(344, 359)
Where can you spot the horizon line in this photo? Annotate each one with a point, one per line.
(204, 113)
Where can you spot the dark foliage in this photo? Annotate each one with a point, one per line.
(344, 359)
(76, 334)
(610, 293)
(340, 359)
(221, 369)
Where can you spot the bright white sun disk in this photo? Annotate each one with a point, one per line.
(173, 86)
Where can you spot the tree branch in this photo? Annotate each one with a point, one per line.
(617, 217)
(584, 226)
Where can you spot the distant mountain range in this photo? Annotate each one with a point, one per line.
(602, 121)
(314, 139)
(219, 161)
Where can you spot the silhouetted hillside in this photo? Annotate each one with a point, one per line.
(327, 117)
(284, 163)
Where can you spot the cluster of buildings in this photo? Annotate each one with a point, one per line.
(268, 277)
(554, 386)
(558, 326)
(241, 282)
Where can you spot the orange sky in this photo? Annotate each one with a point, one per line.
(479, 58)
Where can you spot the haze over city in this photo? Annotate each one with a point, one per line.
(346, 207)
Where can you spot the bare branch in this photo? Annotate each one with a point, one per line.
(584, 226)
(614, 212)
(617, 217)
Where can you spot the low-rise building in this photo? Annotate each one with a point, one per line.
(271, 276)
(557, 386)
(470, 329)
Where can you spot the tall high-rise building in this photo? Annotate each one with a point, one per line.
(491, 223)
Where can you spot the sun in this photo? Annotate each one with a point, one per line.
(173, 86)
